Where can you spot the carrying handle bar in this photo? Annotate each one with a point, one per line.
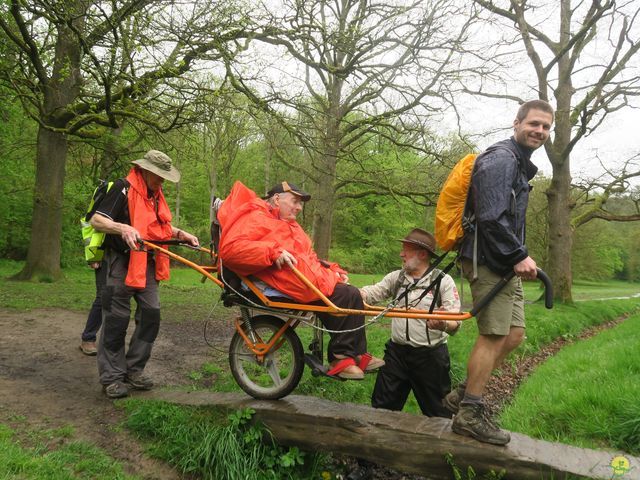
(548, 288)
(170, 241)
(541, 275)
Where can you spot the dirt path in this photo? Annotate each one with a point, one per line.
(45, 378)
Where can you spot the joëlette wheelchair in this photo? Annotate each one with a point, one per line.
(266, 355)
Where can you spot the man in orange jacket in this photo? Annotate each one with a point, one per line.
(261, 238)
(134, 208)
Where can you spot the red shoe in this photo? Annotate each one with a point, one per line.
(369, 363)
(346, 368)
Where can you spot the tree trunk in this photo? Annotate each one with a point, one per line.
(326, 194)
(43, 258)
(560, 237)
(60, 90)
(560, 232)
(111, 153)
(324, 199)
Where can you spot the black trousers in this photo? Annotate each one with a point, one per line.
(348, 344)
(424, 370)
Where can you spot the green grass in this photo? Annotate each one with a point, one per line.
(213, 444)
(52, 455)
(586, 395)
(75, 292)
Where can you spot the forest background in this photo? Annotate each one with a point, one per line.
(344, 98)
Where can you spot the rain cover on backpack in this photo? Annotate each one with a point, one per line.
(451, 204)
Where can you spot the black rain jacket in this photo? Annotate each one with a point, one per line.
(498, 196)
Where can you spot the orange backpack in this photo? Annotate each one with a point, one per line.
(449, 229)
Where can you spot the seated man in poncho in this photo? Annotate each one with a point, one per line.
(261, 238)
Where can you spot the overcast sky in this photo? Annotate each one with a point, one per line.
(614, 141)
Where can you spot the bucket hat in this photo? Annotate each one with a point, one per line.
(159, 163)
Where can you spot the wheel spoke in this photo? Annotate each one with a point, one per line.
(273, 370)
(247, 357)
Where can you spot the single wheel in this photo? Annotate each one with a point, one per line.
(277, 373)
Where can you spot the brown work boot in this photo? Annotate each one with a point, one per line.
(88, 348)
(471, 421)
(452, 400)
(115, 390)
(139, 381)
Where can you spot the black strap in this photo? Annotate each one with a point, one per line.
(406, 302)
(432, 266)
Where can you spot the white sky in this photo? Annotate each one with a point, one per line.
(616, 140)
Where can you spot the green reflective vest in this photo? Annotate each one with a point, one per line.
(93, 240)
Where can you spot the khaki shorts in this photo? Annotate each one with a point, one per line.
(506, 310)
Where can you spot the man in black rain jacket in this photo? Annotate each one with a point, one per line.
(498, 199)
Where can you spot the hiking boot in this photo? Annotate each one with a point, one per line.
(139, 381)
(452, 400)
(115, 390)
(472, 422)
(89, 348)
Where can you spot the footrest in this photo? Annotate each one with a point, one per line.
(317, 368)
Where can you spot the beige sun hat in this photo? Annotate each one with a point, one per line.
(159, 163)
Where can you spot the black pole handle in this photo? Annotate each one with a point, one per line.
(548, 288)
(542, 276)
(170, 241)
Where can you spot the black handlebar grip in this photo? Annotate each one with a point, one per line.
(548, 288)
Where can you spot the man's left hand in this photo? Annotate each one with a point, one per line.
(526, 269)
(437, 325)
(188, 238)
(285, 258)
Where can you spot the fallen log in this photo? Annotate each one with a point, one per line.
(410, 443)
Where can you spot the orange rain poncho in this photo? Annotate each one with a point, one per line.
(153, 223)
(253, 237)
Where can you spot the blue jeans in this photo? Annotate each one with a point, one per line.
(94, 320)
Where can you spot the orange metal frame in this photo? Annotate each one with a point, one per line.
(259, 348)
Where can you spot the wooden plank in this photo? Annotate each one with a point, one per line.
(410, 443)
